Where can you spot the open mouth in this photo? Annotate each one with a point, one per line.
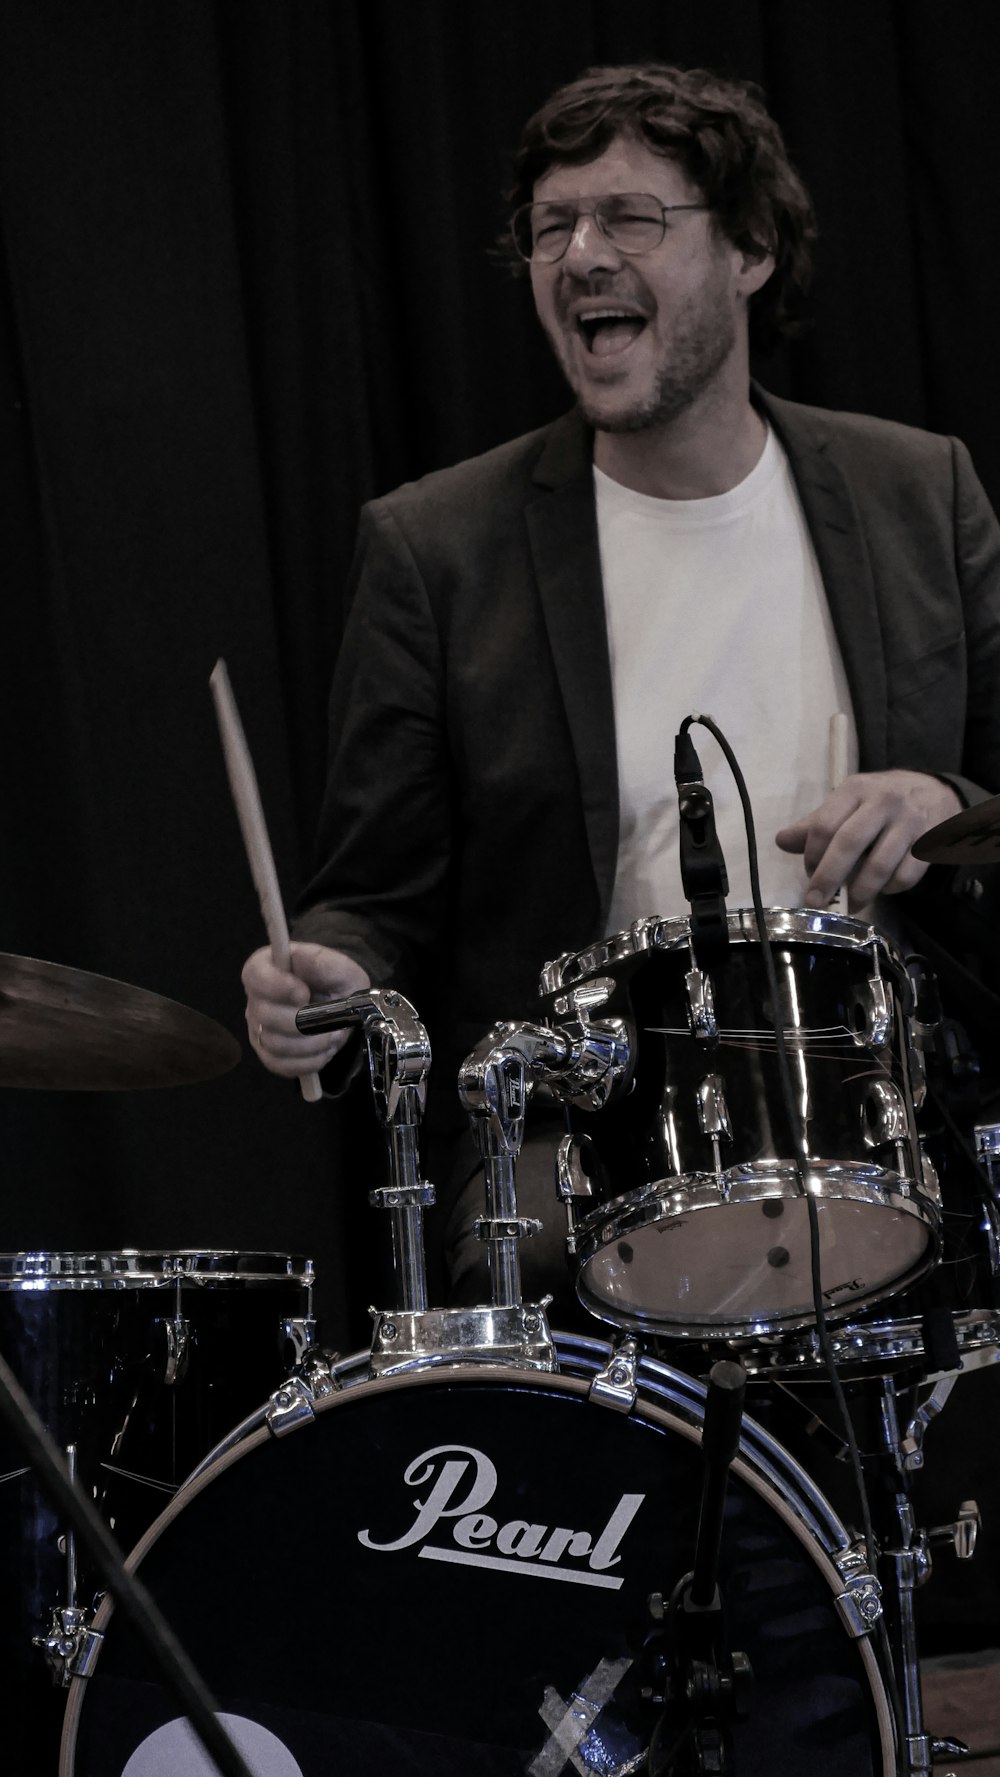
(606, 332)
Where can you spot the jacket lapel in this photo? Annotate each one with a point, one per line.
(838, 539)
(562, 529)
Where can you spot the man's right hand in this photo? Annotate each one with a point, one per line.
(274, 996)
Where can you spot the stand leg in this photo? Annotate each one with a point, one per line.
(907, 1564)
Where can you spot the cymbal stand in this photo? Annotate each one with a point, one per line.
(906, 1554)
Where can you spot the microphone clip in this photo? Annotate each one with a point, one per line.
(703, 869)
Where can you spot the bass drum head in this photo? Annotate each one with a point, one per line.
(430, 1576)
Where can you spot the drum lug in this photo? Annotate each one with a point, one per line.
(872, 1008)
(929, 1174)
(70, 1648)
(701, 1004)
(574, 1164)
(860, 1603)
(713, 1112)
(883, 1115)
(617, 1384)
(290, 1405)
(176, 1348)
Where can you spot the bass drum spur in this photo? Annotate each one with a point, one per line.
(446, 1571)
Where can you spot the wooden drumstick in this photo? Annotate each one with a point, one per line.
(838, 772)
(246, 797)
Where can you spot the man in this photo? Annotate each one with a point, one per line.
(528, 629)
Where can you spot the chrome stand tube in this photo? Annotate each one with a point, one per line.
(399, 1059)
(493, 1087)
(905, 1553)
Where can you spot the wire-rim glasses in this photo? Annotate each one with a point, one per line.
(633, 222)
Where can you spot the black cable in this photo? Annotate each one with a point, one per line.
(129, 1593)
(801, 1158)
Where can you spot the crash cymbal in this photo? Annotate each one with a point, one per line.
(970, 837)
(65, 1029)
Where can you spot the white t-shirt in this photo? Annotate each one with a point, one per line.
(717, 606)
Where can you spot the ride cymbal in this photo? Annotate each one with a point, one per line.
(68, 1030)
(970, 837)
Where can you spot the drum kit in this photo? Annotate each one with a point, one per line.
(338, 1555)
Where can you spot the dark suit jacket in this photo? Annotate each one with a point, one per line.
(470, 827)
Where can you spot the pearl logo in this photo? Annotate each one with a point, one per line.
(450, 1523)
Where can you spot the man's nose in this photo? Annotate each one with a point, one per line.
(589, 250)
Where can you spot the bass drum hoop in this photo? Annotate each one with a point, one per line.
(761, 1462)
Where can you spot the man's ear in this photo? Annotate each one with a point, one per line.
(756, 266)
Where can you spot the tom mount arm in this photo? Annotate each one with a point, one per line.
(399, 1059)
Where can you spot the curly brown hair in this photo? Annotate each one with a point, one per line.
(720, 132)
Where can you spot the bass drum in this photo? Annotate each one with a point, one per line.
(348, 1590)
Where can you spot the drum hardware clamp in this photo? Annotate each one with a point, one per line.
(586, 1062)
(581, 1061)
(859, 1605)
(617, 1384)
(293, 1403)
(290, 1406)
(71, 1647)
(517, 1337)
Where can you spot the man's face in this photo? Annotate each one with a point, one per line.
(679, 311)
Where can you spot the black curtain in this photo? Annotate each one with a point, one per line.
(246, 284)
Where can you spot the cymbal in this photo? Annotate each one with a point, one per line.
(68, 1030)
(970, 837)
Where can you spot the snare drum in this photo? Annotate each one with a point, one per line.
(693, 1223)
(138, 1362)
(447, 1571)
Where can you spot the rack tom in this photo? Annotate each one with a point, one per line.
(687, 1210)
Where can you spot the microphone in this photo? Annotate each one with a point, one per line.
(703, 867)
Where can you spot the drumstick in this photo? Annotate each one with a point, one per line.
(246, 797)
(838, 772)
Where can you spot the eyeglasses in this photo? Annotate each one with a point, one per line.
(632, 222)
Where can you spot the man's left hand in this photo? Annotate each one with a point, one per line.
(862, 832)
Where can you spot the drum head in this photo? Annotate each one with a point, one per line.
(430, 1576)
